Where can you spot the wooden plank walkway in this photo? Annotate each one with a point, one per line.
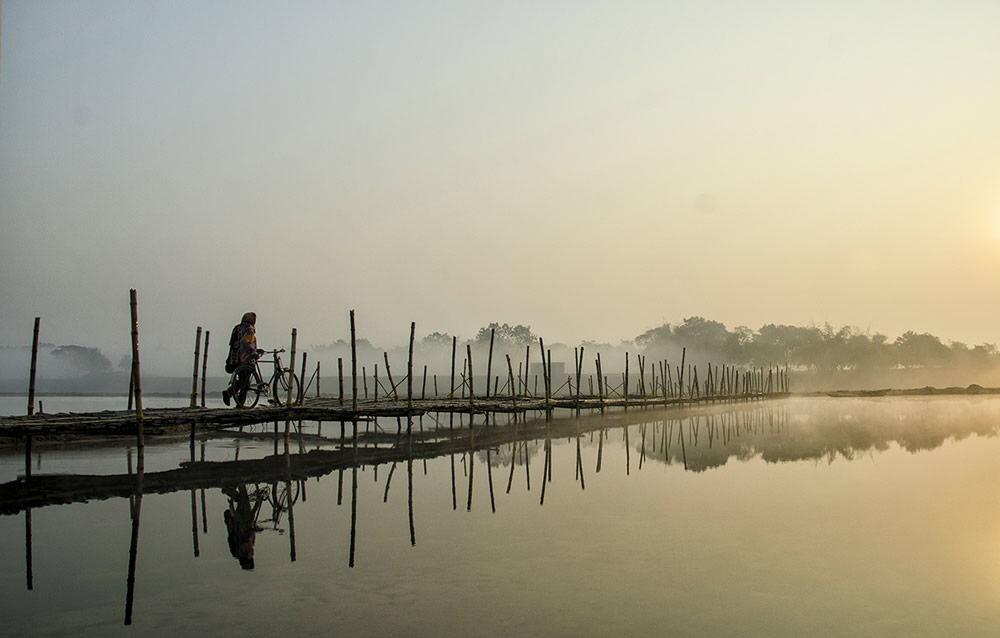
(169, 420)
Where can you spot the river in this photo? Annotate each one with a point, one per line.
(804, 516)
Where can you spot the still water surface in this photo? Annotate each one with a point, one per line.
(835, 517)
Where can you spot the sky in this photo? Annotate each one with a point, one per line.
(590, 169)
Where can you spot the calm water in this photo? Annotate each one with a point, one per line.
(834, 517)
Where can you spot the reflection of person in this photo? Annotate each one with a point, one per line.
(241, 523)
(242, 349)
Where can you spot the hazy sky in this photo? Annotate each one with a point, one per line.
(593, 169)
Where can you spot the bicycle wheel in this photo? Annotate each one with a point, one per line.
(280, 387)
(246, 385)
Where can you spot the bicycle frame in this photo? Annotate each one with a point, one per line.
(280, 378)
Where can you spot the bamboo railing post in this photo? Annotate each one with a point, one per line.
(579, 372)
(625, 381)
(468, 348)
(489, 364)
(375, 379)
(513, 391)
(317, 379)
(600, 381)
(137, 378)
(680, 374)
(204, 369)
(454, 344)
(354, 377)
(388, 372)
(131, 386)
(340, 378)
(194, 374)
(409, 372)
(31, 374)
(423, 385)
(527, 360)
(291, 371)
(302, 379)
(545, 373)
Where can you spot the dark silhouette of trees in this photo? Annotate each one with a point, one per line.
(82, 359)
(823, 349)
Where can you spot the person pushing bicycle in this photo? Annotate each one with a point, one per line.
(242, 349)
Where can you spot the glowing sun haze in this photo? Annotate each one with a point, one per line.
(592, 169)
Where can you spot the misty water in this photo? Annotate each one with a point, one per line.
(805, 516)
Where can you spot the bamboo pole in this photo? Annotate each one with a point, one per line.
(489, 364)
(454, 344)
(34, 361)
(625, 381)
(680, 374)
(579, 372)
(409, 372)
(302, 379)
(291, 384)
(340, 378)
(600, 381)
(527, 359)
(468, 348)
(194, 374)
(317, 379)
(545, 373)
(204, 369)
(388, 372)
(354, 376)
(136, 377)
(513, 391)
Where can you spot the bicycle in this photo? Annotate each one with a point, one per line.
(248, 384)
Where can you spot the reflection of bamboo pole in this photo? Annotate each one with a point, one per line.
(28, 573)
(204, 369)
(409, 500)
(194, 373)
(31, 376)
(133, 548)
(489, 473)
(354, 492)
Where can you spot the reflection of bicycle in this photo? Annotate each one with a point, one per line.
(281, 497)
(248, 384)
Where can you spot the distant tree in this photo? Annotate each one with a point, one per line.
(436, 339)
(506, 334)
(83, 360)
(915, 350)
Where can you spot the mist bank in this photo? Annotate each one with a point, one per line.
(818, 358)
